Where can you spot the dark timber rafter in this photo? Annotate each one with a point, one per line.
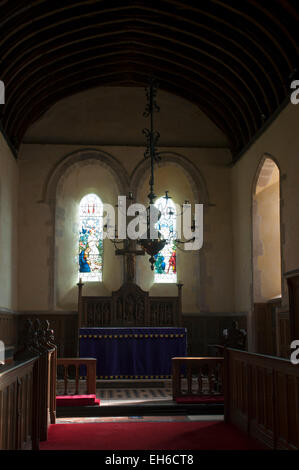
(231, 58)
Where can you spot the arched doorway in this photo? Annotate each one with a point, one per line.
(266, 255)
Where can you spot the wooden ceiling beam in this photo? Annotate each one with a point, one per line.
(126, 78)
(58, 86)
(233, 59)
(229, 74)
(255, 68)
(28, 85)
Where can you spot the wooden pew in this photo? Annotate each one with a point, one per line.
(261, 397)
(28, 390)
(17, 424)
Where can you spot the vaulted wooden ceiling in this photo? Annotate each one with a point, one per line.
(233, 58)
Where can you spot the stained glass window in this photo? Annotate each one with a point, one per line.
(165, 264)
(91, 239)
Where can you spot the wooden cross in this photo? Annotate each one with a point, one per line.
(130, 252)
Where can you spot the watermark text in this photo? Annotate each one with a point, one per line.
(295, 354)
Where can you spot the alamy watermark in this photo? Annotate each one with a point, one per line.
(295, 354)
(295, 94)
(2, 353)
(2, 92)
(144, 223)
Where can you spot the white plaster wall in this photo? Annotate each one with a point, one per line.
(172, 178)
(114, 116)
(281, 140)
(210, 289)
(83, 178)
(208, 271)
(110, 119)
(8, 227)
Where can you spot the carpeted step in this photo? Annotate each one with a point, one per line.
(77, 400)
(200, 435)
(200, 399)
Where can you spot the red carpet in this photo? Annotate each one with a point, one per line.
(77, 400)
(204, 435)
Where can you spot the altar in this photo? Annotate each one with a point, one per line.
(133, 353)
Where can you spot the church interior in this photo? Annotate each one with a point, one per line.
(192, 108)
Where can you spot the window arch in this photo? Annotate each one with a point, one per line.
(90, 239)
(165, 264)
(266, 233)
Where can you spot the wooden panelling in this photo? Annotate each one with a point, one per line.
(293, 287)
(264, 328)
(262, 397)
(128, 306)
(283, 334)
(8, 328)
(206, 329)
(16, 398)
(65, 327)
(28, 389)
(202, 330)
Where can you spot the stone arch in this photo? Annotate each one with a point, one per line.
(260, 165)
(55, 179)
(192, 173)
(201, 195)
(64, 165)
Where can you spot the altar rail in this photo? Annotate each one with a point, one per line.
(90, 365)
(208, 371)
(262, 397)
(28, 390)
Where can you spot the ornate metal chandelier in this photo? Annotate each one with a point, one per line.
(152, 241)
(152, 246)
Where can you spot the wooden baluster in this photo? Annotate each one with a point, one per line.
(210, 379)
(176, 379)
(180, 375)
(214, 380)
(199, 380)
(92, 377)
(189, 380)
(65, 379)
(87, 378)
(221, 378)
(90, 365)
(77, 380)
(218, 371)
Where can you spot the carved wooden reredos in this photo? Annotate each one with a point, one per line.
(129, 306)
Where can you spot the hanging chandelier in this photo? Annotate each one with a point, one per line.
(152, 241)
(152, 246)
